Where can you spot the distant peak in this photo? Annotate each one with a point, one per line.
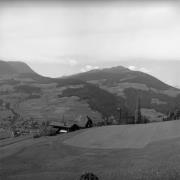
(116, 69)
(20, 67)
(119, 67)
(6, 69)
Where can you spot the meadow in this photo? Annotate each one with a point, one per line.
(52, 158)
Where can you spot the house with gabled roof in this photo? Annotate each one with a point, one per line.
(72, 125)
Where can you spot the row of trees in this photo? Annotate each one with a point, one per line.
(174, 115)
(138, 118)
(125, 117)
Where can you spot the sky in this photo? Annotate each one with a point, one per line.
(57, 38)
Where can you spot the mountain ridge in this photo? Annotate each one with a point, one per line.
(97, 93)
(122, 72)
(20, 67)
(14, 68)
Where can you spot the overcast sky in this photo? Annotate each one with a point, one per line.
(63, 38)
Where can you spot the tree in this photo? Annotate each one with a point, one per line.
(138, 118)
(119, 111)
(89, 176)
(89, 123)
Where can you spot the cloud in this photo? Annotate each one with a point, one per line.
(145, 70)
(132, 68)
(72, 62)
(88, 68)
(117, 31)
(142, 69)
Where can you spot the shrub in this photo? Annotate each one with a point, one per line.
(89, 176)
(37, 135)
(51, 131)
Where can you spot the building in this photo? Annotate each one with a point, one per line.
(60, 126)
(72, 126)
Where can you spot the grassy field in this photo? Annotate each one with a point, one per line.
(49, 158)
(126, 136)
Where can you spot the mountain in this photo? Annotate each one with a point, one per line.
(121, 74)
(20, 71)
(14, 68)
(20, 67)
(129, 85)
(27, 97)
(6, 69)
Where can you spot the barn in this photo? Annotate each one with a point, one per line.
(60, 126)
(72, 126)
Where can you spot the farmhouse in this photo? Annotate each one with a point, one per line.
(60, 126)
(72, 126)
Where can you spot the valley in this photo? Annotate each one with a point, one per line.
(29, 98)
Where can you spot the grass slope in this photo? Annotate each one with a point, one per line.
(126, 136)
(98, 99)
(49, 158)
